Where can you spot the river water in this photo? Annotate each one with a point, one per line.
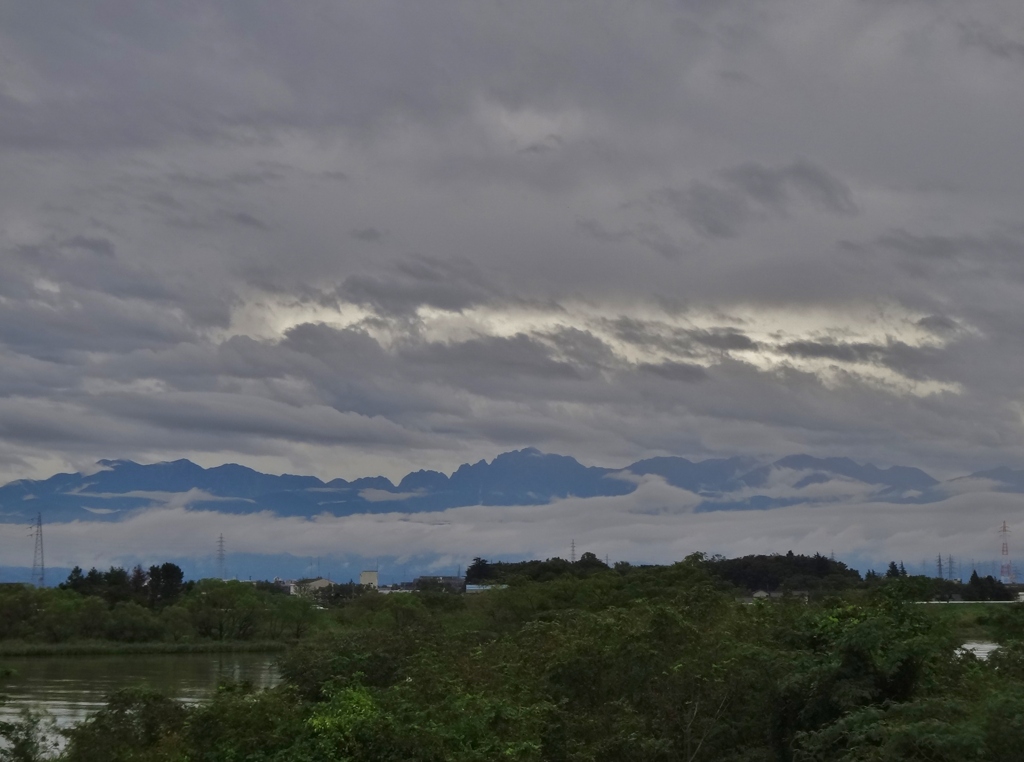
(980, 648)
(70, 688)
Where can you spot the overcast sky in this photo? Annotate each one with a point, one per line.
(348, 238)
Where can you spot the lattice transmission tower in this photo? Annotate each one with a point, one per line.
(38, 562)
(1006, 567)
(220, 557)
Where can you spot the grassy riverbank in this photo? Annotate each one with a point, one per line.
(109, 648)
(976, 620)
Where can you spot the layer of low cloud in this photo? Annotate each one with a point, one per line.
(369, 238)
(656, 524)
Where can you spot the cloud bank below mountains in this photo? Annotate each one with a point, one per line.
(654, 524)
(864, 515)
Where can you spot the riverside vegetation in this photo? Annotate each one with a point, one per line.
(579, 661)
(147, 611)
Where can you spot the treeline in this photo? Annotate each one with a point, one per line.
(637, 664)
(158, 586)
(771, 573)
(977, 588)
(483, 572)
(156, 606)
(789, 572)
(775, 573)
(986, 588)
(922, 588)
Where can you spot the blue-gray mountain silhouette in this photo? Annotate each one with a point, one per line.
(522, 477)
(824, 469)
(1006, 479)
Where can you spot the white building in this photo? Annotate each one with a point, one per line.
(307, 586)
(368, 579)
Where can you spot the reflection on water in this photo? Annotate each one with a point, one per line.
(980, 648)
(71, 688)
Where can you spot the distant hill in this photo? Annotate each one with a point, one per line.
(116, 488)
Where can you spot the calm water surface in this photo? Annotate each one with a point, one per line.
(980, 648)
(71, 688)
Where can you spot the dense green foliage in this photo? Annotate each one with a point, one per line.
(159, 586)
(106, 607)
(815, 575)
(985, 589)
(790, 572)
(648, 663)
(158, 606)
(482, 571)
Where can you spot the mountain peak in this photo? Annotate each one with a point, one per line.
(525, 453)
(115, 463)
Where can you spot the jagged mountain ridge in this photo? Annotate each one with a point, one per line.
(522, 477)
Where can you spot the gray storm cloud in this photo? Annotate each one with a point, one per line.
(354, 238)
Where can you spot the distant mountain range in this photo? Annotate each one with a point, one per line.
(117, 488)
